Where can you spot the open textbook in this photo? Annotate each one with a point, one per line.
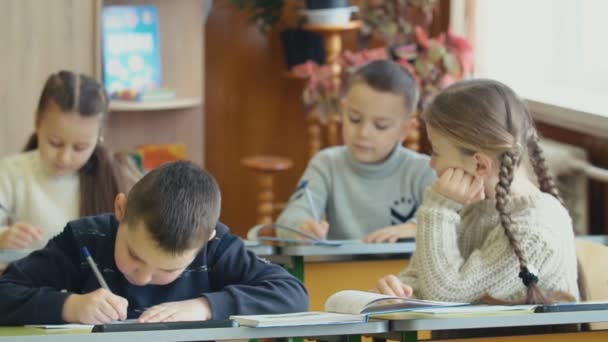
(361, 302)
(381, 306)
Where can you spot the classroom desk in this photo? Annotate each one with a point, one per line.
(259, 249)
(601, 239)
(349, 250)
(256, 247)
(15, 334)
(400, 330)
(293, 256)
(406, 330)
(352, 265)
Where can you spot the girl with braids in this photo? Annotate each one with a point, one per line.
(486, 232)
(65, 172)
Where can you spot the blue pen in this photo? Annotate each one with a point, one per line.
(313, 211)
(100, 279)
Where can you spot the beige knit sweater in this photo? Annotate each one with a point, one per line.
(462, 253)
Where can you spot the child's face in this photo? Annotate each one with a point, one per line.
(66, 140)
(374, 122)
(446, 155)
(142, 262)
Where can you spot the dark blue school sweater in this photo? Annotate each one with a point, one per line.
(233, 279)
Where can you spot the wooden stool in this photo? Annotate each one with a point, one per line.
(266, 167)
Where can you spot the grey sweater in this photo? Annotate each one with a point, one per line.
(357, 198)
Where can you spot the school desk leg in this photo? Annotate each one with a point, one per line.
(409, 336)
(353, 338)
(297, 267)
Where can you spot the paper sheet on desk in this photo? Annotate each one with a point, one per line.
(74, 326)
(62, 326)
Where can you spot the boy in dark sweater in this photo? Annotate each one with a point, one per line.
(164, 256)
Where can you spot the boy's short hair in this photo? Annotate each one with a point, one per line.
(388, 76)
(179, 204)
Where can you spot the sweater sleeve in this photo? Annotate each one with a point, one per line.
(298, 208)
(444, 274)
(244, 284)
(30, 289)
(409, 276)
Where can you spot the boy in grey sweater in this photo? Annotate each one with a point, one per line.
(370, 187)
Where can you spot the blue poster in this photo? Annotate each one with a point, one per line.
(131, 49)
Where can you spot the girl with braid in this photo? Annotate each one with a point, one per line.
(486, 232)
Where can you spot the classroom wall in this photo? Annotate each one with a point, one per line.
(39, 37)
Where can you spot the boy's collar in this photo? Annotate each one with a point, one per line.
(381, 169)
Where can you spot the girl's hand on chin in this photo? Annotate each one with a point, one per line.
(460, 186)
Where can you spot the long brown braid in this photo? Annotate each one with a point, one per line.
(456, 112)
(546, 184)
(509, 161)
(537, 159)
(535, 295)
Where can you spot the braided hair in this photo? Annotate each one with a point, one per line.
(510, 131)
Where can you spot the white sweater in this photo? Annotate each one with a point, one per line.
(462, 253)
(34, 196)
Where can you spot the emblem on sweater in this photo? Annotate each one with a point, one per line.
(402, 210)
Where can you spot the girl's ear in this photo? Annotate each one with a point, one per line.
(120, 205)
(37, 122)
(485, 164)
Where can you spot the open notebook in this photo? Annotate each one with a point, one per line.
(297, 318)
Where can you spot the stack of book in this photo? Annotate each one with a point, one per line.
(359, 306)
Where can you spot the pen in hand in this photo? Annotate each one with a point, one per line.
(18, 235)
(316, 226)
(313, 211)
(98, 275)
(9, 215)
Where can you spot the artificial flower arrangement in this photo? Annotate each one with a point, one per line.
(435, 63)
